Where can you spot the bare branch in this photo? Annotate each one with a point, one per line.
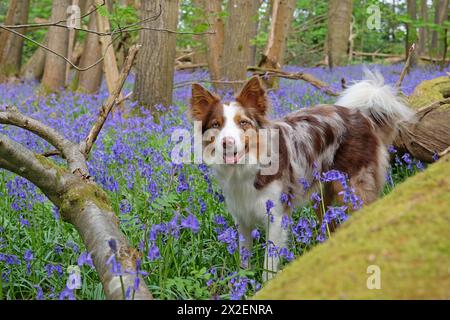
(406, 67)
(68, 149)
(110, 102)
(18, 159)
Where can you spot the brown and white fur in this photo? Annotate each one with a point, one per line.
(351, 136)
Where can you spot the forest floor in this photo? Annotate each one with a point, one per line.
(173, 213)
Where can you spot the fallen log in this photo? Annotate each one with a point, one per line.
(430, 134)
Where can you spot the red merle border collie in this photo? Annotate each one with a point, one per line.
(351, 136)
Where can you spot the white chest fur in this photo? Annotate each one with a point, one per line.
(245, 203)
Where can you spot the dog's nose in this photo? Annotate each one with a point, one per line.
(228, 142)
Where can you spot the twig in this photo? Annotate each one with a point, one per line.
(406, 66)
(110, 102)
(443, 153)
(319, 84)
(189, 83)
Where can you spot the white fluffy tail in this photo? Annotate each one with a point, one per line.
(377, 100)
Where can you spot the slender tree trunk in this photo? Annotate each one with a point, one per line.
(34, 67)
(282, 14)
(423, 31)
(253, 30)
(11, 45)
(411, 32)
(156, 59)
(237, 43)
(339, 20)
(91, 79)
(55, 67)
(110, 67)
(199, 55)
(440, 14)
(214, 42)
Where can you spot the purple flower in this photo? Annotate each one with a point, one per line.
(391, 149)
(269, 205)
(435, 156)
(255, 234)
(85, 259)
(153, 253)
(229, 237)
(67, 294)
(190, 222)
(286, 221)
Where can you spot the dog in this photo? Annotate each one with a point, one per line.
(351, 136)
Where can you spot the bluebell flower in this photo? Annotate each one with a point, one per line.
(191, 222)
(153, 252)
(85, 258)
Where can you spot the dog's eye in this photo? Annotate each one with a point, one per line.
(215, 125)
(244, 123)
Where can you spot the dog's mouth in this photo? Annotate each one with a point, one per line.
(233, 156)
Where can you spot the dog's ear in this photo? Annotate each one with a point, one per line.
(253, 96)
(201, 102)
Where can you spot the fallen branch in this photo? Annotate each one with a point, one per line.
(319, 84)
(406, 66)
(110, 102)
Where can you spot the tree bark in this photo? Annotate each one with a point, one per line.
(423, 31)
(90, 80)
(440, 14)
(55, 68)
(199, 55)
(34, 67)
(339, 21)
(411, 32)
(253, 31)
(156, 59)
(430, 134)
(273, 56)
(110, 67)
(236, 44)
(10, 44)
(214, 42)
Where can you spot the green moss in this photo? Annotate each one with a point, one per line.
(49, 164)
(77, 196)
(430, 91)
(406, 234)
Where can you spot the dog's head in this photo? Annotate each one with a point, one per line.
(230, 129)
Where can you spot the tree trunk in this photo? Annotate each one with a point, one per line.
(10, 44)
(90, 80)
(214, 42)
(282, 14)
(253, 30)
(339, 21)
(411, 32)
(405, 234)
(110, 67)
(155, 63)
(430, 134)
(237, 43)
(55, 67)
(440, 15)
(423, 31)
(34, 68)
(199, 55)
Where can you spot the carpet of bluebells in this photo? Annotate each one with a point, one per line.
(173, 213)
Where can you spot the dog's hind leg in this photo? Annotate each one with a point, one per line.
(245, 245)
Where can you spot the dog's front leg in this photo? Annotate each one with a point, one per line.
(276, 237)
(245, 245)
